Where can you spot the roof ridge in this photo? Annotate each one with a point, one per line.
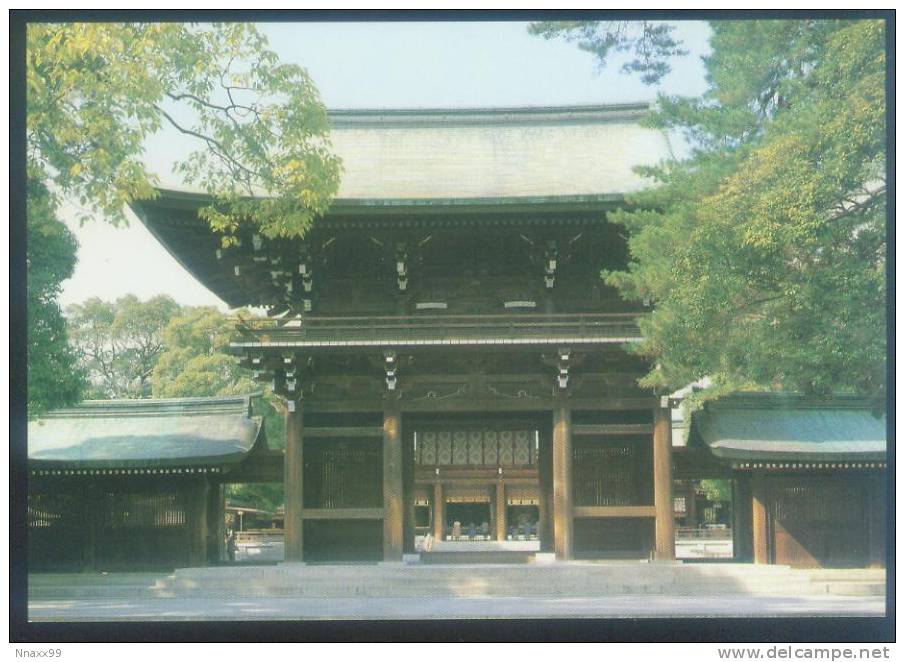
(155, 406)
(800, 400)
(530, 108)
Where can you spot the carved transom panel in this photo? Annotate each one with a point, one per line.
(503, 448)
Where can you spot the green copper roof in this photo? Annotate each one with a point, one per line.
(146, 433)
(779, 426)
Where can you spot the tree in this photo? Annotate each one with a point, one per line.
(650, 42)
(717, 490)
(119, 343)
(196, 363)
(96, 92)
(765, 251)
(54, 377)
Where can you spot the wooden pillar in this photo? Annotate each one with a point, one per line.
(562, 481)
(759, 519)
(393, 505)
(293, 475)
(665, 532)
(691, 506)
(91, 504)
(196, 521)
(500, 511)
(742, 549)
(545, 504)
(439, 512)
(876, 500)
(216, 545)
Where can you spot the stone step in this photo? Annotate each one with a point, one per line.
(494, 557)
(558, 580)
(848, 574)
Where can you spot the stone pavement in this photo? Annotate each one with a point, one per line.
(398, 591)
(189, 609)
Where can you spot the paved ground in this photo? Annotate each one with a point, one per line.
(180, 609)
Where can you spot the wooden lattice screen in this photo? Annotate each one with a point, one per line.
(142, 510)
(612, 472)
(818, 521)
(343, 474)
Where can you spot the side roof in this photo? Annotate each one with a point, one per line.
(146, 434)
(783, 426)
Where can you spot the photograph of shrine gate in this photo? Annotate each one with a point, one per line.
(462, 409)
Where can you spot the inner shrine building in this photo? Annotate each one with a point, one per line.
(453, 364)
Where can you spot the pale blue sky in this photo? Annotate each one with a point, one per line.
(385, 65)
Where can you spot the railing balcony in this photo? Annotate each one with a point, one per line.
(440, 330)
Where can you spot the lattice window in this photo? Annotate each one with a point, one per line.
(816, 503)
(47, 510)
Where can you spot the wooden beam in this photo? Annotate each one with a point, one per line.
(375, 432)
(665, 533)
(759, 532)
(343, 513)
(562, 481)
(472, 405)
(615, 511)
(500, 514)
(439, 512)
(612, 428)
(293, 475)
(393, 505)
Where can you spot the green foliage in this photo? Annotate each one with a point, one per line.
(717, 490)
(651, 43)
(267, 496)
(196, 363)
(764, 252)
(96, 92)
(54, 379)
(119, 343)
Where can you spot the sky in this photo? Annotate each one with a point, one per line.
(379, 65)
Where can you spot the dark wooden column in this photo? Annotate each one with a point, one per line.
(691, 506)
(545, 505)
(439, 512)
(91, 504)
(742, 548)
(665, 531)
(500, 511)
(562, 481)
(293, 475)
(216, 522)
(393, 504)
(196, 504)
(876, 501)
(759, 519)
